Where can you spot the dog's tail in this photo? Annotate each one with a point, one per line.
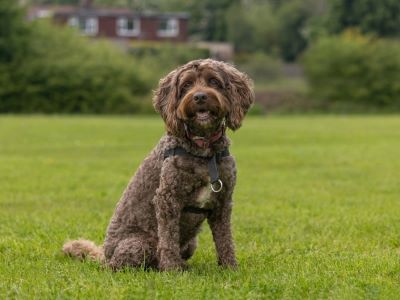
(84, 249)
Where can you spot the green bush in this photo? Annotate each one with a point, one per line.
(64, 72)
(159, 58)
(355, 69)
(369, 16)
(260, 66)
(13, 32)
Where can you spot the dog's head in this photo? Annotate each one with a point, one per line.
(200, 95)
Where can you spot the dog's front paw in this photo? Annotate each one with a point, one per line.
(173, 265)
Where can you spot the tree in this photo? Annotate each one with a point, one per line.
(13, 32)
(293, 16)
(55, 1)
(370, 16)
(207, 19)
(253, 27)
(352, 68)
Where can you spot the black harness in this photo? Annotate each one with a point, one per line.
(212, 172)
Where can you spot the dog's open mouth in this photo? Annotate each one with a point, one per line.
(204, 115)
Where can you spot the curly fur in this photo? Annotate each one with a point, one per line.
(84, 249)
(149, 227)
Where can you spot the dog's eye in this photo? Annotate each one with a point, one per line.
(184, 88)
(214, 82)
(187, 85)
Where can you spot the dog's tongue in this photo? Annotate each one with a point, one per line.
(202, 115)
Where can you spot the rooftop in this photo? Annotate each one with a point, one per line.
(97, 11)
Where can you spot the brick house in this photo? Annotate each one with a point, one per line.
(117, 23)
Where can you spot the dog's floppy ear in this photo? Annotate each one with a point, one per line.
(165, 101)
(240, 93)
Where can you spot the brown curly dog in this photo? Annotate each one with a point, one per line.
(187, 178)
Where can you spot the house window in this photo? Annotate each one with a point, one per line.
(44, 13)
(73, 22)
(128, 27)
(168, 28)
(88, 26)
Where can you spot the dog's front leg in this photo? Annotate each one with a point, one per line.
(168, 210)
(220, 224)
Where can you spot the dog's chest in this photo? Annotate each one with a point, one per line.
(204, 197)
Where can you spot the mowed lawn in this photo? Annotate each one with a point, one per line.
(316, 214)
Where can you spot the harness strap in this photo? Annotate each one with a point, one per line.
(211, 163)
(197, 210)
(182, 152)
(212, 172)
(213, 169)
(175, 151)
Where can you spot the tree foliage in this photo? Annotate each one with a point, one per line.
(13, 32)
(64, 72)
(278, 27)
(46, 68)
(253, 28)
(291, 32)
(355, 68)
(370, 16)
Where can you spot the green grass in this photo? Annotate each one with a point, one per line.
(316, 215)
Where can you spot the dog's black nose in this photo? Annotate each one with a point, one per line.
(200, 97)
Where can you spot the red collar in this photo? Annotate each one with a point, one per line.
(203, 142)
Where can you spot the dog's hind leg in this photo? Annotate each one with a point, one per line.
(133, 252)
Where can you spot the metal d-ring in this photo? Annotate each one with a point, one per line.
(219, 188)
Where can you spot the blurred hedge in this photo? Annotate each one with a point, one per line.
(159, 58)
(64, 72)
(355, 69)
(167, 54)
(59, 71)
(260, 66)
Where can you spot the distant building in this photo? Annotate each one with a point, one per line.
(116, 23)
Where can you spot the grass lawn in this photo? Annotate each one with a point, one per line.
(317, 209)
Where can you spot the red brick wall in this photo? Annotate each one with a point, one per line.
(148, 28)
(107, 27)
(62, 20)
